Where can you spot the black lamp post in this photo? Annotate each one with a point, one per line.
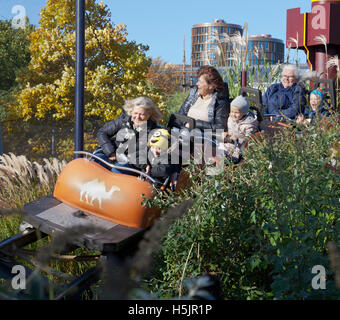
(79, 88)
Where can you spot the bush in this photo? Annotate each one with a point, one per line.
(260, 226)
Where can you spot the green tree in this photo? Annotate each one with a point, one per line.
(14, 52)
(115, 68)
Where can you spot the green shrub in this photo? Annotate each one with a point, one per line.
(260, 226)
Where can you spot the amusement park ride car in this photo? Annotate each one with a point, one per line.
(110, 207)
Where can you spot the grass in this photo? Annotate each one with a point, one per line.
(22, 182)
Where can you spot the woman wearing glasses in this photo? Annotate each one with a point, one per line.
(285, 99)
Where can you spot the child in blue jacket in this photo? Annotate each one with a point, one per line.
(317, 107)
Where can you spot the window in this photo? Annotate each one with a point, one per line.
(260, 45)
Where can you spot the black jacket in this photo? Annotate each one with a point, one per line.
(111, 143)
(218, 111)
(158, 169)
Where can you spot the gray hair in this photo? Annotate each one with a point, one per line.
(292, 67)
(145, 103)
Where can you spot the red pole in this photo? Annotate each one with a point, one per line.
(244, 78)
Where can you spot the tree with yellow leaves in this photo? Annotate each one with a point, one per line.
(115, 68)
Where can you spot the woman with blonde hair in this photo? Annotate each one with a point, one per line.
(146, 104)
(139, 118)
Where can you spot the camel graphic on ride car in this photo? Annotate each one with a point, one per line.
(95, 190)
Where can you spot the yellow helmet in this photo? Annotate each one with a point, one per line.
(160, 138)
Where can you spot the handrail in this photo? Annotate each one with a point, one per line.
(116, 167)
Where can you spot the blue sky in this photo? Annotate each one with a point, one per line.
(162, 24)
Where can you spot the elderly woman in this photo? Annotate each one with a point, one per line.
(208, 102)
(287, 98)
(123, 139)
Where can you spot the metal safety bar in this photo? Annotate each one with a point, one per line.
(116, 167)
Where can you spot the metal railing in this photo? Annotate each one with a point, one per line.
(116, 167)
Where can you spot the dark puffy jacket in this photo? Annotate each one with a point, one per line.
(158, 169)
(310, 113)
(285, 101)
(110, 143)
(218, 111)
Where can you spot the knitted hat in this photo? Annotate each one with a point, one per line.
(160, 139)
(319, 92)
(241, 103)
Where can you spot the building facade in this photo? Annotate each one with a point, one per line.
(218, 42)
(204, 38)
(263, 48)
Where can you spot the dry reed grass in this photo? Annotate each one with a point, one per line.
(20, 178)
(333, 62)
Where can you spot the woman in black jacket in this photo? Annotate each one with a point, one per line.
(208, 102)
(123, 140)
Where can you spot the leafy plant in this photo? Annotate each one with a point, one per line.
(260, 226)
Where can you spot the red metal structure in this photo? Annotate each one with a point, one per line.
(306, 29)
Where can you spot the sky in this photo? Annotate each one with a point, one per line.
(162, 24)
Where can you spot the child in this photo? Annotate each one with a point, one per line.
(317, 107)
(159, 165)
(241, 124)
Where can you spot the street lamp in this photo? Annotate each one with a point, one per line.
(79, 86)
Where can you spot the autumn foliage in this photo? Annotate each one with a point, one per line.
(115, 68)
(164, 77)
